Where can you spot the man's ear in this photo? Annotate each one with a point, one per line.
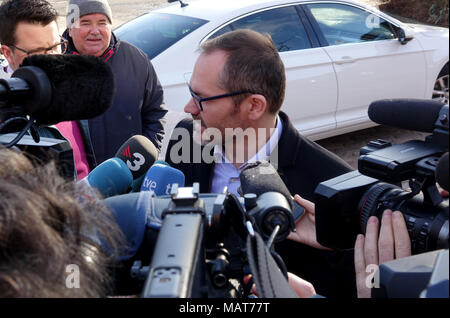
(7, 53)
(256, 106)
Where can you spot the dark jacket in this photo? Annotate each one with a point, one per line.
(302, 165)
(137, 109)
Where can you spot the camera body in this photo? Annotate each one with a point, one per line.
(200, 248)
(345, 203)
(29, 89)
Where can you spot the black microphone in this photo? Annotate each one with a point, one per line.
(139, 154)
(261, 177)
(57, 88)
(441, 172)
(411, 114)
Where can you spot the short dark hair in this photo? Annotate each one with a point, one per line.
(48, 224)
(253, 64)
(31, 11)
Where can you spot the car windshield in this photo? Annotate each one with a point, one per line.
(155, 32)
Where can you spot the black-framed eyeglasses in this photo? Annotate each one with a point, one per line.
(62, 46)
(198, 101)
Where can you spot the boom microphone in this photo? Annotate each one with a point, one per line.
(160, 178)
(411, 114)
(57, 88)
(139, 154)
(441, 172)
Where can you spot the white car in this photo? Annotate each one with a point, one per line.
(339, 55)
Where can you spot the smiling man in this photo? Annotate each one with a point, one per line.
(138, 107)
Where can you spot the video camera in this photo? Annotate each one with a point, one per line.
(203, 245)
(46, 90)
(345, 203)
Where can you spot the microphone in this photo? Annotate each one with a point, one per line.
(160, 178)
(139, 154)
(57, 88)
(441, 172)
(130, 218)
(261, 177)
(411, 114)
(111, 177)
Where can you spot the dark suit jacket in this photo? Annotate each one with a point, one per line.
(302, 165)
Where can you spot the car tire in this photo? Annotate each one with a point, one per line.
(440, 91)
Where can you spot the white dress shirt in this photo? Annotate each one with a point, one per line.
(225, 173)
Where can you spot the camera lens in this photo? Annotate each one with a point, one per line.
(427, 224)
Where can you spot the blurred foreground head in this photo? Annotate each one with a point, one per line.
(45, 232)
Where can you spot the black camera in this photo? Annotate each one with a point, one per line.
(345, 203)
(197, 245)
(30, 89)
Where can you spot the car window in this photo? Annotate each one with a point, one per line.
(155, 32)
(283, 24)
(341, 24)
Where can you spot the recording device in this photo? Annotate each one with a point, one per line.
(202, 240)
(160, 178)
(111, 177)
(48, 89)
(345, 203)
(139, 154)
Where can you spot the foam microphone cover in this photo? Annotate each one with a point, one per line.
(441, 172)
(112, 177)
(131, 220)
(411, 114)
(139, 154)
(160, 178)
(82, 87)
(261, 177)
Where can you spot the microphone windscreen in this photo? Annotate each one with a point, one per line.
(160, 179)
(441, 172)
(412, 114)
(261, 177)
(111, 177)
(130, 218)
(139, 154)
(83, 87)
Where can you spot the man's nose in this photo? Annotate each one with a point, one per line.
(191, 108)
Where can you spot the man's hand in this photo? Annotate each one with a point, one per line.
(306, 226)
(391, 242)
(301, 287)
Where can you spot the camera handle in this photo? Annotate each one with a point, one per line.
(177, 259)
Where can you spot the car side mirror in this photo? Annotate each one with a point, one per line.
(404, 36)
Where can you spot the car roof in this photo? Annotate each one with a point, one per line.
(218, 9)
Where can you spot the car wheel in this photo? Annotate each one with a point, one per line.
(440, 91)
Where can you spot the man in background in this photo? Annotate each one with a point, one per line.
(138, 107)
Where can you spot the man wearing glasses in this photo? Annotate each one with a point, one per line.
(238, 84)
(28, 27)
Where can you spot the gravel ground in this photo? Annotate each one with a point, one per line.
(345, 146)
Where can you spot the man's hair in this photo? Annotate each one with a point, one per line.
(49, 226)
(253, 64)
(31, 11)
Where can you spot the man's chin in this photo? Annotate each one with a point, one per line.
(206, 136)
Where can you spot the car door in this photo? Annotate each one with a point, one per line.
(369, 61)
(311, 89)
